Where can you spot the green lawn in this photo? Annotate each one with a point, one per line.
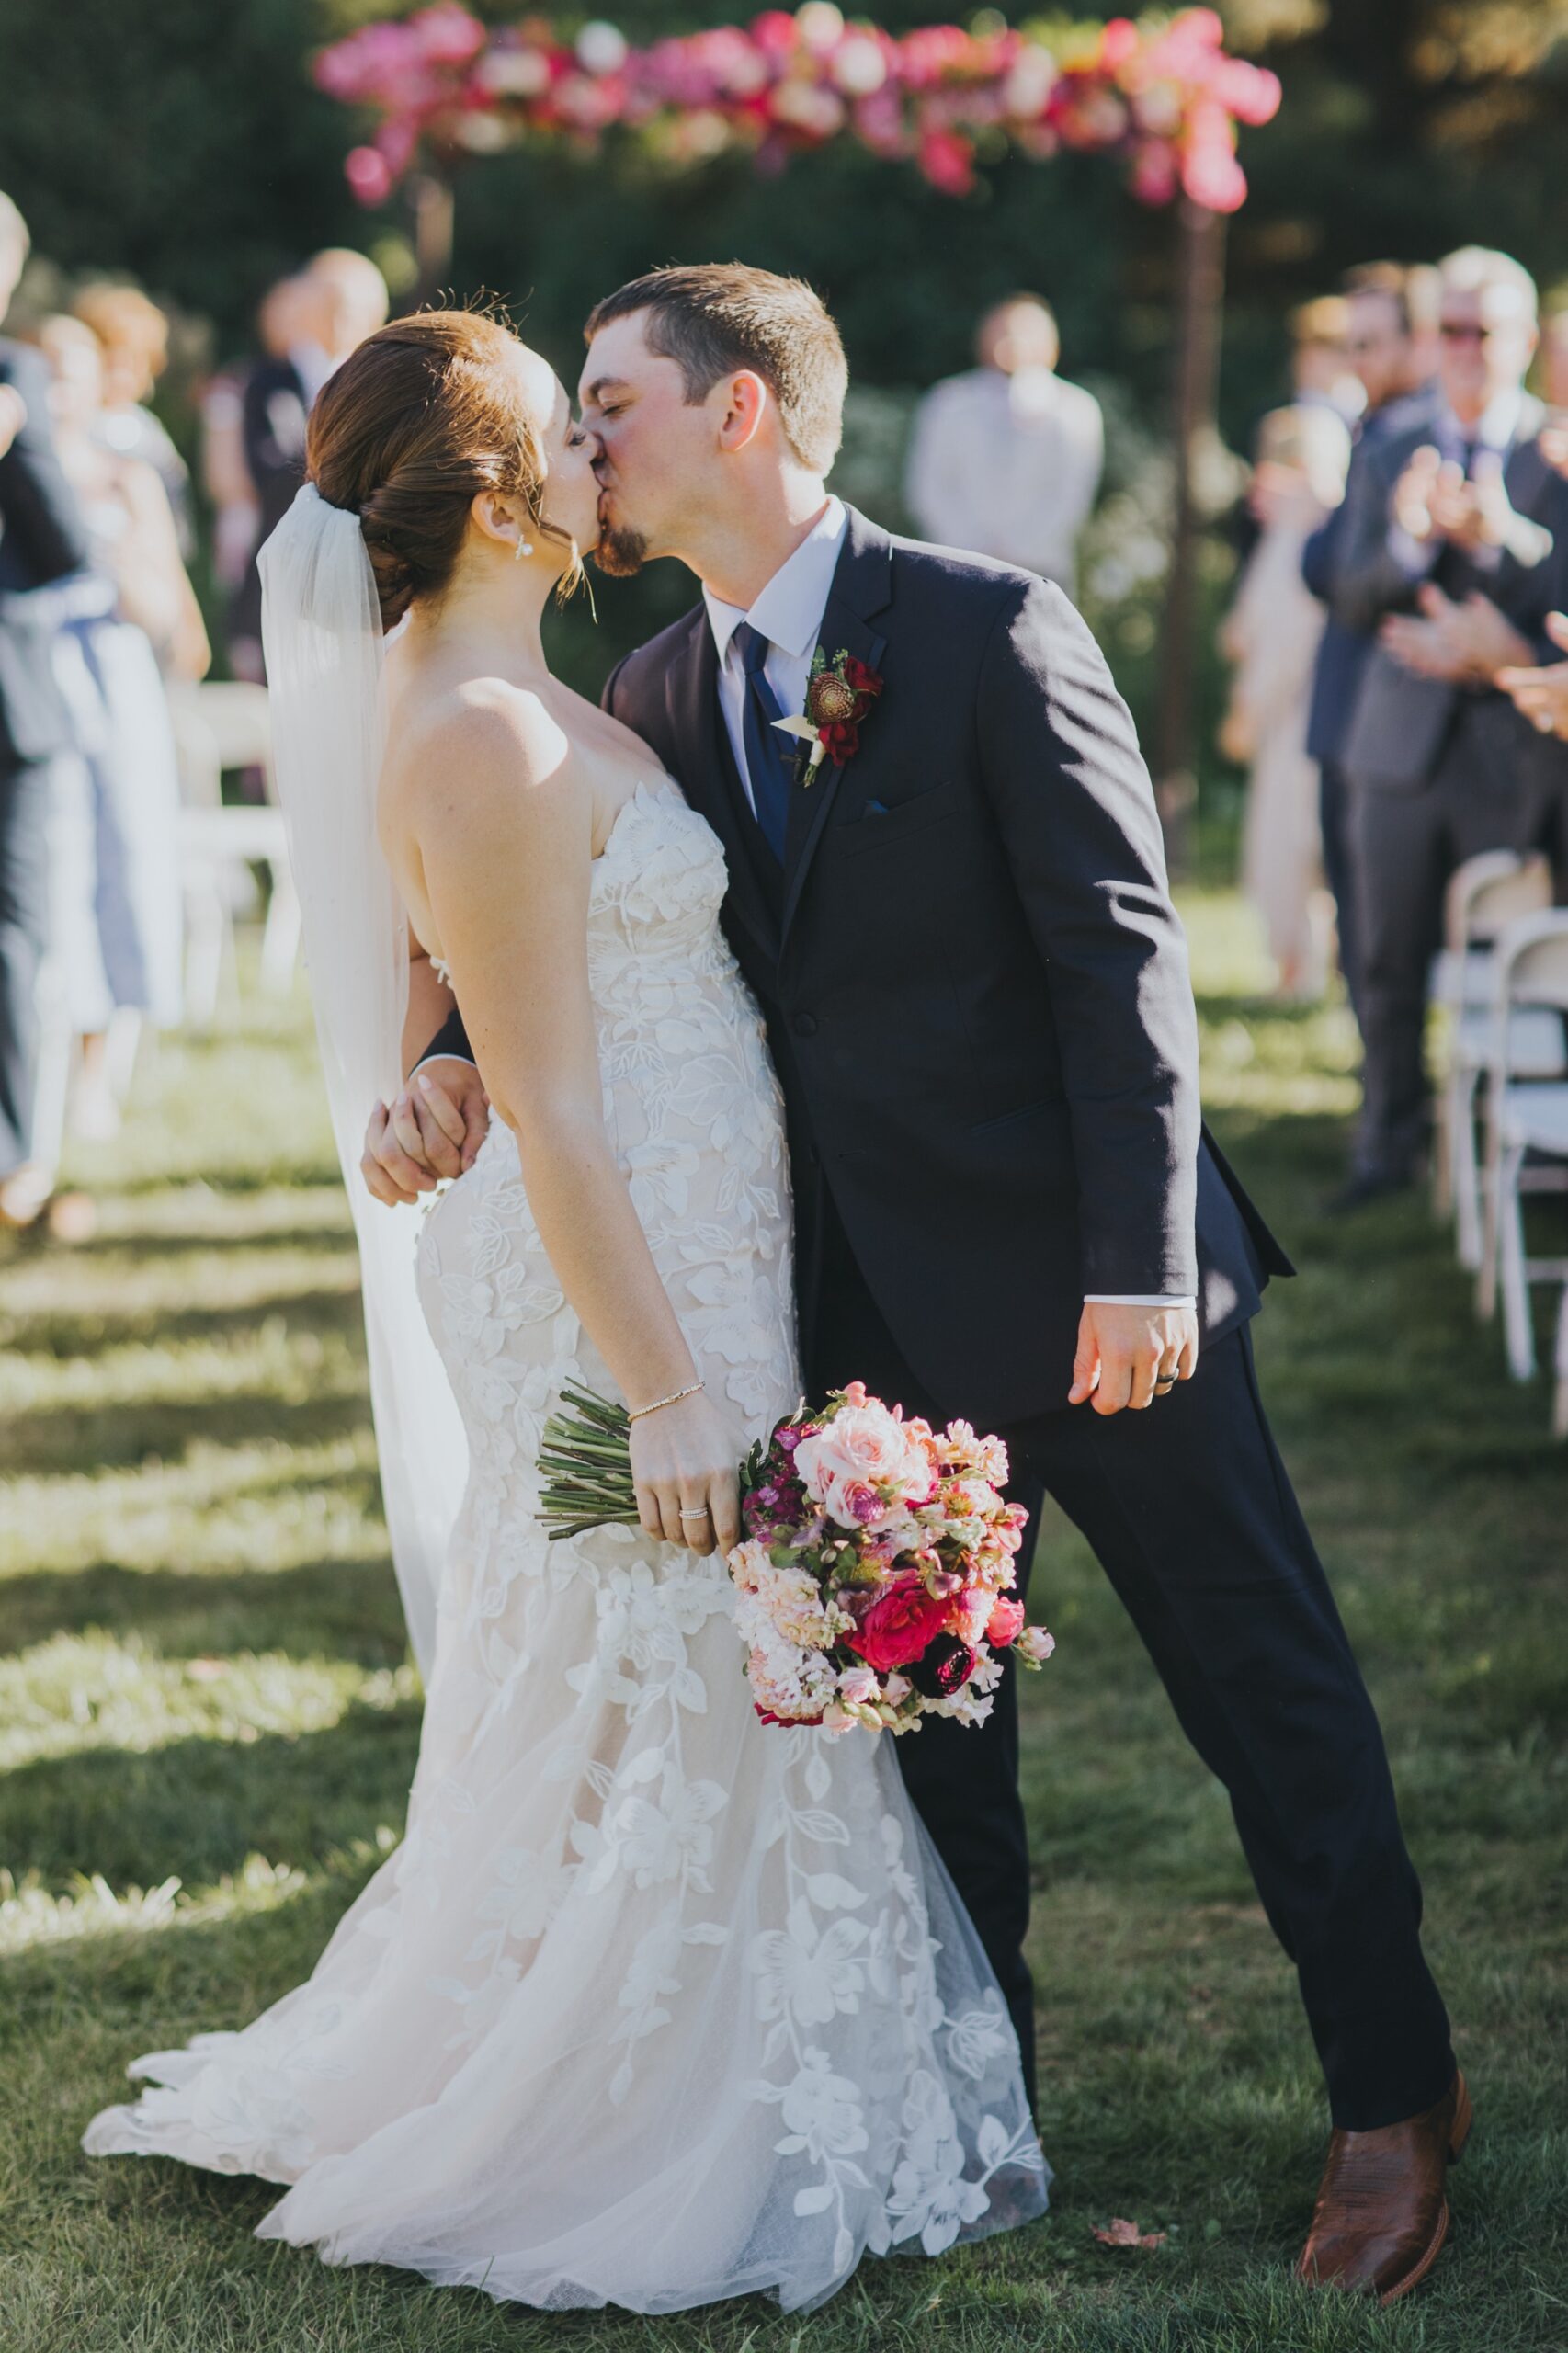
(206, 1728)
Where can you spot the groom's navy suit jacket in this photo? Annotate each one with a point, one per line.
(975, 985)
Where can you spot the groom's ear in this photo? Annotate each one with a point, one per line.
(743, 402)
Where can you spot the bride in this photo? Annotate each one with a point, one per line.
(652, 2005)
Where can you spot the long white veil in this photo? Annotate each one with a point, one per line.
(322, 633)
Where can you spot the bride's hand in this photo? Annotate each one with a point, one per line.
(432, 1130)
(686, 1459)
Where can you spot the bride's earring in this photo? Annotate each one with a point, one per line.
(521, 548)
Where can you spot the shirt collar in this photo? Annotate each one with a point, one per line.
(788, 610)
(1498, 424)
(312, 366)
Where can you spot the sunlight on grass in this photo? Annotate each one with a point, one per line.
(89, 1691)
(30, 1916)
(250, 1505)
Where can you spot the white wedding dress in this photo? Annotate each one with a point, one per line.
(654, 2004)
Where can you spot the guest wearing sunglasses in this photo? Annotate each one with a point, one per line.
(1390, 342)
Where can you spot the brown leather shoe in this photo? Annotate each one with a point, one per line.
(1382, 2211)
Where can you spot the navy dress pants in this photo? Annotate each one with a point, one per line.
(1189, 1511)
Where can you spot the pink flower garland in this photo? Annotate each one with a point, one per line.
(1162, 95)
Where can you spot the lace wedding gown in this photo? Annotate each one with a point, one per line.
(654, 2004)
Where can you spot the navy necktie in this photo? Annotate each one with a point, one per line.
(770, 763)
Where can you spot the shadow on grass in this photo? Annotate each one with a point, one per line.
(346, 1609)
(195, 1809)
(89, 1332)
(121, 1437)
(314, 1234)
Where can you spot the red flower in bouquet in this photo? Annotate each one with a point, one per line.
(899, 1624)
(943, 1670)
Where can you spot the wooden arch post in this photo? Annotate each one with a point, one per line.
(1201, 287)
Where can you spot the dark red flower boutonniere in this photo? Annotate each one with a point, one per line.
(838, 695)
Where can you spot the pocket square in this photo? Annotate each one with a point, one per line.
(875, 809)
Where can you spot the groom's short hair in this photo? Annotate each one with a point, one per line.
(718, 317)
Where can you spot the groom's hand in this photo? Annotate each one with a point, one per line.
(433, 1130)
(1123, 1352)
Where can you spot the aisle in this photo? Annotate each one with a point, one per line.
(201, 1679)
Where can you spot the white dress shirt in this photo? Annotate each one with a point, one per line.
(1009, 466)
(313, 367)
(789, 613)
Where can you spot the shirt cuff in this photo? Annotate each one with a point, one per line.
(445, 1055)
(1138, 1299)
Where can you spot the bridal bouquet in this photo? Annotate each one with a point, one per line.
(874, 1580)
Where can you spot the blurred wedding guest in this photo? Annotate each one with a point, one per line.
(226, 476)
(132, 620)
(1270, 635)
(319, 317)
(41, 541)
(1554, 357)
(1321, 372)
(1006, 459)
(1539, 690)
(1450, 529)
(1390, 341)
(134, 345)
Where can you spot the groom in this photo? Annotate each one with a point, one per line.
(977, 997)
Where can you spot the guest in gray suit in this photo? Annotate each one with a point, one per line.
(1447, 548)
(1393, 327)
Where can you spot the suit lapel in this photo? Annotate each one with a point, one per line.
(862, 589)
(705, 766)
(1525, 472)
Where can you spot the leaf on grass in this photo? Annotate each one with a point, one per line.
(1125, 2233)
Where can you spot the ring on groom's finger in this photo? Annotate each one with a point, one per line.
(1163, 1387)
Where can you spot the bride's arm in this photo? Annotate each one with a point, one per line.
(430, 1002)
(504, 839)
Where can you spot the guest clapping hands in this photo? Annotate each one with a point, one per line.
(1542, 693)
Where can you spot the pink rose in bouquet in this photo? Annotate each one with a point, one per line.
(864, 1461)
(1006, 1622)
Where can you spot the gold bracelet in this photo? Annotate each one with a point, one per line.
(660, 1403)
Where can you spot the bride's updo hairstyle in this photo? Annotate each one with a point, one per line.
(418, 421)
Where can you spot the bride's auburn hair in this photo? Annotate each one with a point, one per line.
(418, 421)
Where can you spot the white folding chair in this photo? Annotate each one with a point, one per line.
(229, 725)
(212, 840)
(1483, 896)
(235, 723)
(1525, 1122)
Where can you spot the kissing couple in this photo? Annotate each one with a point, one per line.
(755, 1074)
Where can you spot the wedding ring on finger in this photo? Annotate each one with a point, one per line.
(695, 1511)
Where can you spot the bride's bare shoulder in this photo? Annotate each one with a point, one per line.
(454, 748)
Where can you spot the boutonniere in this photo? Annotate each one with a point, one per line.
(838, 695)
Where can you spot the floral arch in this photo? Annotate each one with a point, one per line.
(1160, 97)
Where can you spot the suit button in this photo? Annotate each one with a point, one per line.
(804, 1025)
